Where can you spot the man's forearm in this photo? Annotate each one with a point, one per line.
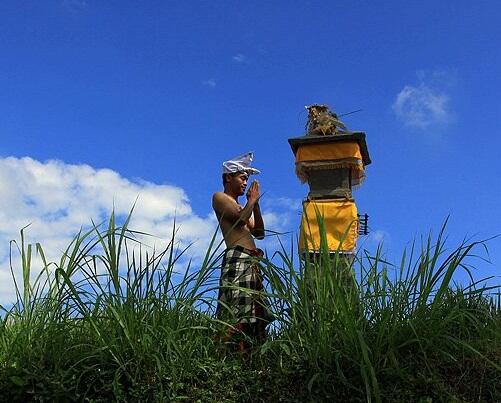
(247, 211)
(258, 222)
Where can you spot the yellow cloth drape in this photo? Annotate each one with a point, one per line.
(328, 151)
(330, 156)
(340, 220)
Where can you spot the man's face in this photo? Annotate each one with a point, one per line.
(238, 182)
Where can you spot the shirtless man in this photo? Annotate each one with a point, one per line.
(239, 224)
(240, 271)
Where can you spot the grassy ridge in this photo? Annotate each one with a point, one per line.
(112, 321)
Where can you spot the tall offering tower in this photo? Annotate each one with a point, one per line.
(332, 160)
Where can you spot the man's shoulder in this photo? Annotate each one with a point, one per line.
(219, 196)
(222, 201)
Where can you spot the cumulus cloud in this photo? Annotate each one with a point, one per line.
(425, 104)
(57, 199)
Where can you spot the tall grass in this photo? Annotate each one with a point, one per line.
(387, 323)
(113, 320)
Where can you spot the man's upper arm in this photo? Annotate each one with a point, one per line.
(223, 207)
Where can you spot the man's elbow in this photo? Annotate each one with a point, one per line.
(258, 234)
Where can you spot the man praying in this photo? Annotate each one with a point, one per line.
(240, 300)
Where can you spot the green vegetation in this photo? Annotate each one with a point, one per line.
(113, 321)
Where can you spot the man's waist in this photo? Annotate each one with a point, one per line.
(252, 252)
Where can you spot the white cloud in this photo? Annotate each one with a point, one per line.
(57, 199)
(426, 104)
(211, 82)
(239, 58)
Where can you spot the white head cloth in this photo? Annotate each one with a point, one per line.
(240, 164)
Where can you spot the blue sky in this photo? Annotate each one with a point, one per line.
(159, 93)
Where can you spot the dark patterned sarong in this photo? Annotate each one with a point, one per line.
(240, 297)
